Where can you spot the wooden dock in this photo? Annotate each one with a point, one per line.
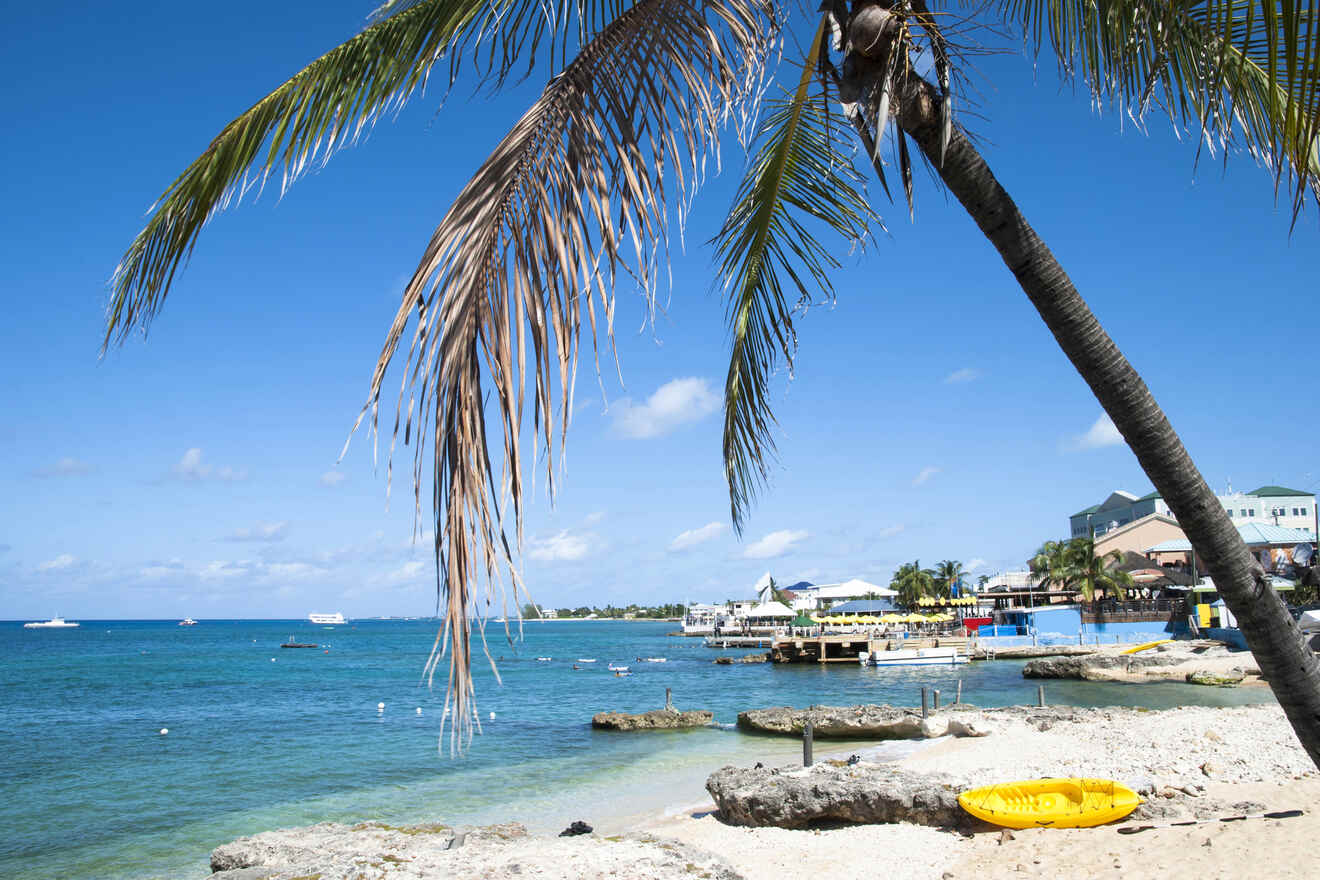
(765, 641)
(844, 647)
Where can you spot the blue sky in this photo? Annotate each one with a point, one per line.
(931, 414)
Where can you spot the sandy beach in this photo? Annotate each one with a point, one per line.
(1251, 754)
(1190, 762)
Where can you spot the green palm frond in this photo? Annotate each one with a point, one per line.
(1242, 73)
(795, 173)
(572, 199)
(327, 105)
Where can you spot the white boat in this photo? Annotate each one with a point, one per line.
(614, 668)
(187, 621)
(912, 657)
(655, 659)
(56, 622)
(327, 618)
(586, 659)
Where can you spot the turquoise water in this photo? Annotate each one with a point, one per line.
(89, 788)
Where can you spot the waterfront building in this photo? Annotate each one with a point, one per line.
(1276, 548)
(822, 597)
(1139, 534)
(1268, 505)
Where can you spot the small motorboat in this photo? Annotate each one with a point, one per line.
(654, 659)
(1051, 803)
(187, 621)
(544, 659)
(614, 668)
(55, 622)
(586, 659)
(912, 657)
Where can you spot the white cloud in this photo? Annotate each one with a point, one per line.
(563, 547)
(978, 562)
(593, 518)
(774, 544)
(966, 374)
(191, 467)
(332, 478)
(1102, 434)
(890, 531)
(261, 532)
(926, 474)
(222, 570)
(65, 467)
(64, 560)
(409, 573)
(693, 537)
(673, 404)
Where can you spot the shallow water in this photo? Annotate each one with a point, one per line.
(89, 788)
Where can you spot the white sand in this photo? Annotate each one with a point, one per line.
(1251, 752)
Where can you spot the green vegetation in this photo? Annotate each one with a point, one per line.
(672, 610)
(1073, 565)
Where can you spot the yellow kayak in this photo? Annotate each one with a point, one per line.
(1052, 803)
(1134, 649)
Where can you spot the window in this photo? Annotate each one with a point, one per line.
(1251, 512)
(1242, 512)
(1230, 513)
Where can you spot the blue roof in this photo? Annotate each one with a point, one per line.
(862, 606)
(1253, 535)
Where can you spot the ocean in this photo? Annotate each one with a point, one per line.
(263, 738)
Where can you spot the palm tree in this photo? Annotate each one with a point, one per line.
(1097, 572)
(981, 581)
(575, 196)
(912, 583)
(948, 574)
(1055, 564)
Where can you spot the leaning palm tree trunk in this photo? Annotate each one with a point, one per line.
(1270, 630)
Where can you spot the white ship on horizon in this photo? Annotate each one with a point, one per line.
(55, 622)
(327, 618)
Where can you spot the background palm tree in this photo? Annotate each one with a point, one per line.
(948, 574)
(1096, 573)
(981, 581)
(1055, 564)
(912, 583)
(575, 197)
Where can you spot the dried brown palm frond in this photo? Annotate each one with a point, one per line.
(572, 200)
(329, 104)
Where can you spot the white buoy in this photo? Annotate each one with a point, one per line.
(164, 730)
(272, 659)
(492, 716)
(419, 710)
(380, 707)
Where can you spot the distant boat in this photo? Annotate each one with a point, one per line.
(586, 659)
(327, 618)
(614, 668)
(56, 622)
(187, 621)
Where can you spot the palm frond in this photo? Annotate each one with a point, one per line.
(328, 105)
(573, 199)
(1243, 73)
(765, 244)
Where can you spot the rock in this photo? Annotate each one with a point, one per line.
(1229, 679)
(864, 794)
(723, 661)
(1210, 768)
(1005, 836)
(746, 658)
(863, 722)
(498, 852)
(578, 827)
(658, 719)
(1213, 737)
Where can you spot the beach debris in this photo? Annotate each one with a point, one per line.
(1278, 814)
(1005, 835)
(578, 827)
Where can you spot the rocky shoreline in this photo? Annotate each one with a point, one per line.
(1202, 662)
(1187, 762)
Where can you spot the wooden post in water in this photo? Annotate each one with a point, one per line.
(925, 705)
(807, 733)
(1040, 695)
(958, 697)
(669, 700)
(937, 699)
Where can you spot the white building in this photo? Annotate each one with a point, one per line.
(1268, 505)
(823, 596)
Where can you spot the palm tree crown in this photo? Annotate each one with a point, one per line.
(575, 199)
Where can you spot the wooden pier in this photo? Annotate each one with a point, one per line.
(844, 647)
(765, 641)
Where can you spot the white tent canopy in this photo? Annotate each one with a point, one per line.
(762, 588)
(771, 609)
(856, 588)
